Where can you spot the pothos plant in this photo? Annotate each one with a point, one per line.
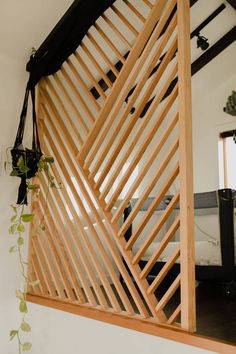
(17, 228)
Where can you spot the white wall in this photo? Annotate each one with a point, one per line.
(24, 24)
(211, 88)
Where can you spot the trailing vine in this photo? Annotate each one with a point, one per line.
(18, 227)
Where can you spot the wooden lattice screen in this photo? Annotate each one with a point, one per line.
(107, 157)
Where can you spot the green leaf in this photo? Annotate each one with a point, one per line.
(20, 295)
(33, 186)
(34, 283)
(26, 346)
(48, 159)
(14, 208)
(25, 327)
(20, 241)
(13, 249)
(27, 217)
(12, 229)
(13, 218)
(21, 228)
(23, 307)
(21, 165)
(24, 169)
(13, 333)
(14, 173)
(21, 161)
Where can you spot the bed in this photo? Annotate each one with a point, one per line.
(215, 251)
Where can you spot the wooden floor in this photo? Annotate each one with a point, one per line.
(216, 312)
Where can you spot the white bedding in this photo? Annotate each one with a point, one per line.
(207, 236)
(206, 253)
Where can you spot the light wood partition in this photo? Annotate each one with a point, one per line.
(107, 157)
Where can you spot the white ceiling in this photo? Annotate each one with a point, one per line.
(26, 23)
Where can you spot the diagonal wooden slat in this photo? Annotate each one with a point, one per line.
(146, 285)
(124, 20)
(129, 84)
(88, 71)
(169, 209)
(117, 31)
(121, 85)
(119, 261)
(164, 270)
(90, 273)
(134, 117)
(174, 173)
(168, 295)
(140, 152)
(96, 265)
(174, 315)
(47, 234)
(39, 273)
(168, 236)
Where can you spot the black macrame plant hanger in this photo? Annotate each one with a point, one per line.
(25, 161)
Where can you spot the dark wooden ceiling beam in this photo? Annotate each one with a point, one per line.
(232, 3)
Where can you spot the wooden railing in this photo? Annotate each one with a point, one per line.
(83, 257)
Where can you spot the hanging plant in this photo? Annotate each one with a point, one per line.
(230, 107)
(17, 228)
(26, 164)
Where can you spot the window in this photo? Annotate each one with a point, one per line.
(227, 159)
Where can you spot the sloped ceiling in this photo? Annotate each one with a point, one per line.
(25, 24)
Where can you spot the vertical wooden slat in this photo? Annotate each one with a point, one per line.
(188, 312)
